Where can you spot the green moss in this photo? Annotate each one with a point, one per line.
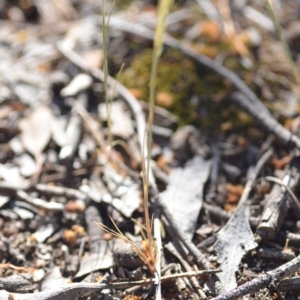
(121, 4)
(177, 76)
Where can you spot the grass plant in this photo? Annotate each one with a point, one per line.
(270, 8)
(108, 99)
(148, 252)
(142, 252)
(163, 11)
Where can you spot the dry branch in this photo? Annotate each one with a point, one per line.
(268, 279)
(75, 290)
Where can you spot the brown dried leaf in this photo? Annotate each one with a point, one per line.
(280, 164)
(164, 99)
(36, 130)
(211, 30)
(234, 240)
(69, 236)
(137, 93)
(234, 193)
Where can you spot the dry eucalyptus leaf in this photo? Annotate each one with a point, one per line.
(36, 130)
(53, 278)
(184, 193)
(79, 83)
(234, 240)
(121, 124)
(94, 58)
(103, 259)
(124, 192)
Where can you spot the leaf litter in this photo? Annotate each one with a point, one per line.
(186, 186)
(63, 169)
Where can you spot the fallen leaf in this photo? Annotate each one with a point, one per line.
(137, 93)
(242, 142)
(53, 278)
(239, 44)
(79, 83)
(78, 229)
(184, 193)
(69, 236)
(234, 240)
(124, 193)
(210, 51)
(103, 259)
(280, 164)
(211, 30)
(163, 162)
(234, 193)
(164, 99)
(36, 130)
(226, 126)
(94, 58)
(121, 124)
(75, 206)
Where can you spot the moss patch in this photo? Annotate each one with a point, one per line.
(177, 82)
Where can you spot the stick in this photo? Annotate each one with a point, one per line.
(277, 201)
(264, 117)
(263, 280)
(75, 290)
(251, 181)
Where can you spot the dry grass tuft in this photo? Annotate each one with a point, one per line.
(147, 252)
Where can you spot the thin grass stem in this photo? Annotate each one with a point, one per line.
(163, 11)
(108, 100)
(270, 8)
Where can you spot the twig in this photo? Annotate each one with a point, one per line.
(11, 266)
(275, 209)
(253, 177)
(73, 132)
(49, 190)
(95, 233)
(158, 241)
(11, 187)
(17, 283)
(74, 290)
(122, 90)
(276, 202)
(170, 247)
(263, 280)
(290, 284)
(240, 221)
(217, 212)
(294, 238)
(207, 243)
(91, 125)
(264, 117)
(275, 254)
(59, 191)
(40, 203)
(288, 189)
(259, 18)
(177, 231)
